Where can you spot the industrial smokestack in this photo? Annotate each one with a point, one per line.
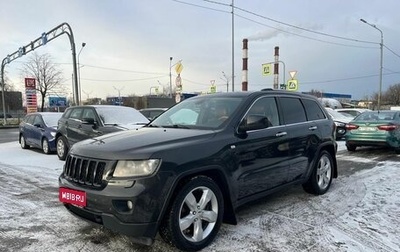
(244, 66)
(276, 68)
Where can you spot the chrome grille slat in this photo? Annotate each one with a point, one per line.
(85, 171)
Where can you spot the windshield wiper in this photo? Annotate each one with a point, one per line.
(152, 125)
(177, 126)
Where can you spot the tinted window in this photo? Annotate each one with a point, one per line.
(38, 120)
(89, 113)
(292, 110)
(313, 110)
(76, 113)
(30, 119)
(266, 107)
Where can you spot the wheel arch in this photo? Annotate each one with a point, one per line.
(332, 151)
(218, 176)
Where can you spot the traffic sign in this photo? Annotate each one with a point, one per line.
(178, 68)
(266, 69)
(292, 74)
(213, 89)
(292, 85)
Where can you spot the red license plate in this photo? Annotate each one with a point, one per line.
(66, 195)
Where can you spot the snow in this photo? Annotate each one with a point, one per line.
(359, 213)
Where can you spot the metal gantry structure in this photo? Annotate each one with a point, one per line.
(46, 37)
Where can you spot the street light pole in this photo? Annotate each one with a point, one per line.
(119, 94)
(79, 76)
(381, 65)
(170, 77)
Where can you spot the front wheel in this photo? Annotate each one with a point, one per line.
(194, 216)
(62, 147)
(321, 176)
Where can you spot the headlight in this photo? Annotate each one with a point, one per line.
(339, 124)
(136, 168)
(53, 134)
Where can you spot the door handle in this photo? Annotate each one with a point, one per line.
(280, 134)
(313, 128)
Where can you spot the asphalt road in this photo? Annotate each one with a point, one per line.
(8, 135)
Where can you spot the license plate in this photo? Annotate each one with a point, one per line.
(367, 128)
(75, 197)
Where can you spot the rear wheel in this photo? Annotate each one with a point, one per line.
(321, 176)
(194, 216)
(45, 146)
(22, 141)
(62, 147)
(351, 147)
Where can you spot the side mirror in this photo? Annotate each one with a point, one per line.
(254, 122)
(88, 121)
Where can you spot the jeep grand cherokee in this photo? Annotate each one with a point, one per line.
(187, 171)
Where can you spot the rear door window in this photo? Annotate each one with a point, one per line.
(313, 110)
(292, 110)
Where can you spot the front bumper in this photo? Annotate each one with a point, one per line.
(133, 208)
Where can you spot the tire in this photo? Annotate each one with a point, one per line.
(45, 146)
(351, 147)
(22, 141)
(207, 216)
(62, 147)
(321, 176)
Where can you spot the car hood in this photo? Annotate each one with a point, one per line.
(140, 143)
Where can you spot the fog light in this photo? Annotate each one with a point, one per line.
(129, 204)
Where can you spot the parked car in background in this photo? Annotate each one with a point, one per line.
(7, 116)
(88, 121)
(152, 113)
(39, 130)
(352, 111)
(188, 170)
(340, 122)
(374, 128)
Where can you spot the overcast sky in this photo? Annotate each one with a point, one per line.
(129, 43)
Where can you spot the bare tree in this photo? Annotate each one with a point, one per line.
(8, 85)
(316, 93)
(48, 76)
(392, 95)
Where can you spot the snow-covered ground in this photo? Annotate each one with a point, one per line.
(361, 212)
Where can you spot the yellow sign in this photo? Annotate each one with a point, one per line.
(213, 89)
(178, 68)
(267, 69)
(292, 85)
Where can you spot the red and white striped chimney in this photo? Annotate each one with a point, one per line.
(244, 66)
(276, 68)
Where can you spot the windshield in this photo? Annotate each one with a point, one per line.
(200, 112)
(51, 120)
(121, 115)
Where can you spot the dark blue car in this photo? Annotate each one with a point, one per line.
(38, 130)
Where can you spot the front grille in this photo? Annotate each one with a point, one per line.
(85, 171)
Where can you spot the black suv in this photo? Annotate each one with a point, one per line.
(187, 171)
(83, 122)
